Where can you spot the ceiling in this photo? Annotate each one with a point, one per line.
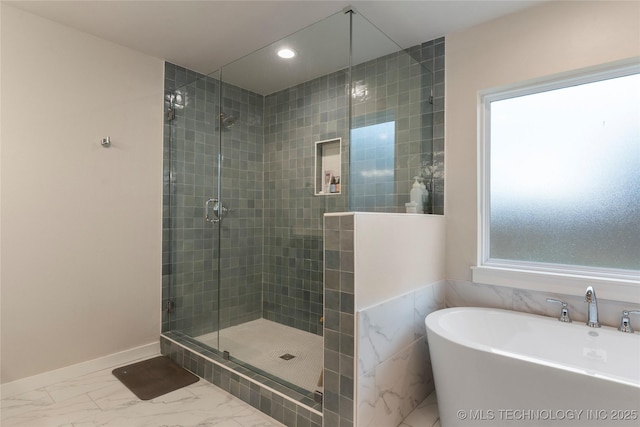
(205, 35)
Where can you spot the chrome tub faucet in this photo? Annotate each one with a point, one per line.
(625, 323)
(564, 314)
(592, 314)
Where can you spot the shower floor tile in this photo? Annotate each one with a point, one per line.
(261, 343)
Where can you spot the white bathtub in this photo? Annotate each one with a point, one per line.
(496, 367)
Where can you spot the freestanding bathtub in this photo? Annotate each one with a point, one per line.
(502, 368)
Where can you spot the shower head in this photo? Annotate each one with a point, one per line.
(227, 120)
(176, 98)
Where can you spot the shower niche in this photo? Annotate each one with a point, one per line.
(328, 167)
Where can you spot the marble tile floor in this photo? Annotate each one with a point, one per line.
(425, 414)
(99, 399)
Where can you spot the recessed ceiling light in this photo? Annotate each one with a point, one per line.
(286, 53)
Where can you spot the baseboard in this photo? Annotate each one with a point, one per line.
(58, 375)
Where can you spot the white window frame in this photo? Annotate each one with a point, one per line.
(622, 285)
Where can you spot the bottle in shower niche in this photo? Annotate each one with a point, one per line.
(416, 195)
(328, 176)
(332, 186)
(337, 184)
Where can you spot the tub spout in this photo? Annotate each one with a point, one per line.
(592, 314)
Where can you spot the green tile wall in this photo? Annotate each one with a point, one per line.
(339, 324)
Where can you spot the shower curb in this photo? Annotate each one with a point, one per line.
(275, 400)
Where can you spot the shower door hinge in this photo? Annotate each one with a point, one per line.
(170, 306)
(317, 396)
(431, 97)
(171, 114)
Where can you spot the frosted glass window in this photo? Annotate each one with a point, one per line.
(564, 175)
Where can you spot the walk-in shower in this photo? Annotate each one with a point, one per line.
(245, 161)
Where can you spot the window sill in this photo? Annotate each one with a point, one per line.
(558, 283)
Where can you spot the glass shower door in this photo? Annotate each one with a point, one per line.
(191, 268)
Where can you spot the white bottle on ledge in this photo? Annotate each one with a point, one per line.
(416, 195)
(425, 193)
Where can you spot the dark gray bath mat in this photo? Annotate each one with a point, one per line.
(154, 377)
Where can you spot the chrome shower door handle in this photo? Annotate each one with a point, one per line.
(215, 217)
(219, 210)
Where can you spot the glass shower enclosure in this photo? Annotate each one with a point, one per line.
(255, 154)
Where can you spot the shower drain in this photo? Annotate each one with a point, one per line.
(287, 356)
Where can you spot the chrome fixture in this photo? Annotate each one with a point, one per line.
(175, 100)
(227, 121)
(625, 323)
(564, 314)
(170, 306)
(105, 142)
(219, 211)
(359, 91)
(592, 313)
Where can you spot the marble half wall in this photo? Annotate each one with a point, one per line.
(394, 370)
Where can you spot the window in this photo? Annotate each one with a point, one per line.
(561, 176)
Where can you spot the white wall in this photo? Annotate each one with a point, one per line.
(552, 38)
(81, 224)
(396, 254)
